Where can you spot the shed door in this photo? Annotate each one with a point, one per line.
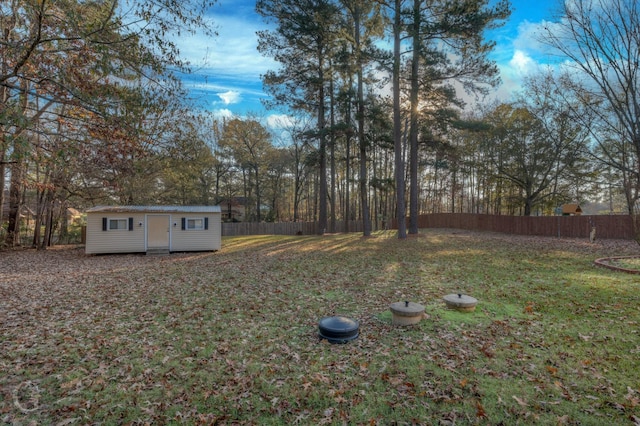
(158, 228)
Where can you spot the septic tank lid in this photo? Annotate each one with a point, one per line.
(338, 329)
(407, 309)
(461, 302)
(406, 313)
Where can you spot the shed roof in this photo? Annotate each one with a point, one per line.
(154, 209)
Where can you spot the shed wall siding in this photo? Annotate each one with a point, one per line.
(196, 239)
(116, 241)
(124, 241)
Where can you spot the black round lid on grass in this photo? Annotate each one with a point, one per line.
(338, 329)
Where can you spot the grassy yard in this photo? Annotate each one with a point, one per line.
(231, 337)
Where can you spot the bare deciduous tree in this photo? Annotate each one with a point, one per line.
(601, 38)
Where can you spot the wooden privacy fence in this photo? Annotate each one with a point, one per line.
(607, 227)
(282, 228)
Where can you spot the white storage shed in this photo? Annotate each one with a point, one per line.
(153, 229)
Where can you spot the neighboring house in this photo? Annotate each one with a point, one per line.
(233, 209)
(153, 229)
(73, 215)
(29, 208)
(26, 212)
(571, 210)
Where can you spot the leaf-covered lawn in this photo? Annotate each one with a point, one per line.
(231, 337)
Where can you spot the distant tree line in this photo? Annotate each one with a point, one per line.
(376, 126)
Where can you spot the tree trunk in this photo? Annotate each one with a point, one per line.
(413, 126)
(47, 218)
(17, 177)
(347, 186)
(12, 238)
(258, 200)
(39, 217)
(527, 207)
(4, 98)
(322, 190)
(397, 124)
(297, 188)
(332, 153)
(364, 185)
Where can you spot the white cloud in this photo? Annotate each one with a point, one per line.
(528, 36)
(230, 97)
(233, 53)
(223, 113)
(522, 55)
(521, 63)
(512, 73)
(227, 67)
(530, 40)
(279, 121)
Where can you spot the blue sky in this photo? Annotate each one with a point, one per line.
(227, 68)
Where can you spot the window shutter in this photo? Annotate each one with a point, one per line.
(184, 223)
(104, 223)
(206, 223)
(130, 224)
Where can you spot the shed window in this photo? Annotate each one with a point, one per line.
(195, 223)
(118, 224)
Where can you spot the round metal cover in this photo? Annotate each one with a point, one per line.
(338, 329)
(407, 309)
(461, 302)
(406, 313)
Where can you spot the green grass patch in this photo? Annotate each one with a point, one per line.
(485, 313)
(627, 263)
